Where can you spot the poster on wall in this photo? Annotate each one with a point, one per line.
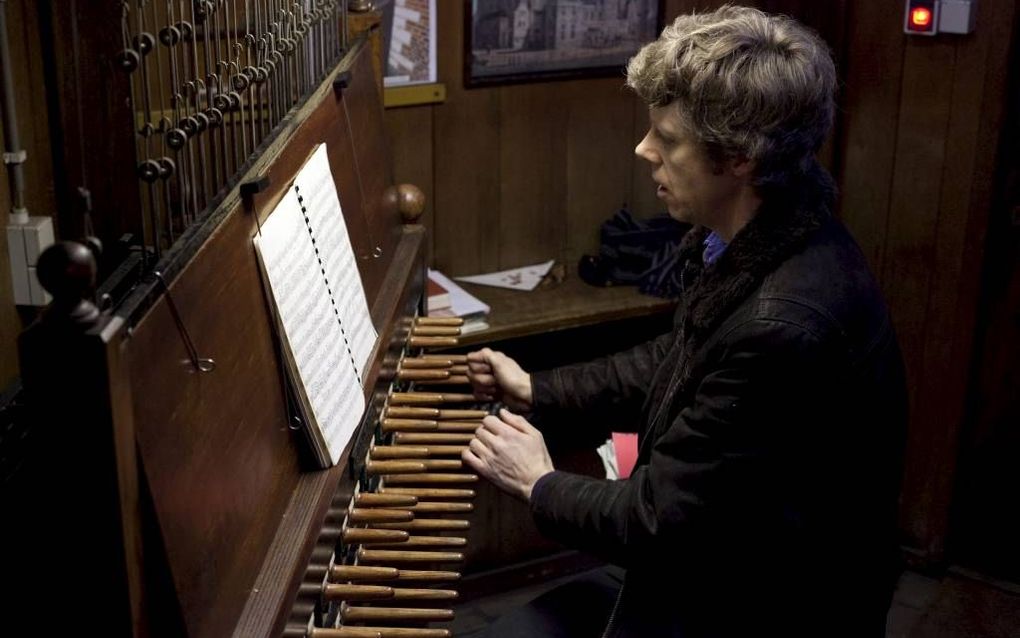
(529, 40)
(409, 28)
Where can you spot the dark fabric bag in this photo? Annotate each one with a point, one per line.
(637, 252)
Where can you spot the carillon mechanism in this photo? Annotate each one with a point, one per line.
(178, 385)
(389, 575)
(210, 82)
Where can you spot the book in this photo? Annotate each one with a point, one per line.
(462, 303)
(438, 297)
(318, 303)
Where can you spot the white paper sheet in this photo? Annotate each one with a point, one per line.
(523, 278)
(326, 375)
(462, 303)
(317, 190)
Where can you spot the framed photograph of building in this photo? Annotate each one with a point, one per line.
(409, 41)
(531, 40)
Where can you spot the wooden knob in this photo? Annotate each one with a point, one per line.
(410, 202)
(67, 270)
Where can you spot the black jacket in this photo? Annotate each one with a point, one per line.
(771, 424)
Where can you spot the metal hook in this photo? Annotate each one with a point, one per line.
(200, 364)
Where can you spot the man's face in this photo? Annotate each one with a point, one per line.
(694, 188)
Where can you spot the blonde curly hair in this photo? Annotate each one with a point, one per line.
(745, 83)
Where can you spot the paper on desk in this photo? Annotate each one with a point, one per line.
(462, 303)
(523, 278)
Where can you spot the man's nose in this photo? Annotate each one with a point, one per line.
(644, 151)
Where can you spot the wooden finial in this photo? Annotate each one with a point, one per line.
(410, 202)
(67, 270)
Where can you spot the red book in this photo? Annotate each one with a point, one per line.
(439, 297)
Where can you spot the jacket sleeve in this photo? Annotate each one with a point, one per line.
(598, 396)
(712, 468)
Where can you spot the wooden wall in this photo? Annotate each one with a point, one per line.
(923, 120)
(519, 174)
(30, 98)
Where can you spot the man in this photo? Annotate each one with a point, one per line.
(771, 418)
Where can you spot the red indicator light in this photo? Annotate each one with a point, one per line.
(920, 17)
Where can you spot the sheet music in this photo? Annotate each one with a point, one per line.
(326, 374)
(318, 193)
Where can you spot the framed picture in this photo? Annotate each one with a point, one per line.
(531, 40)
(409, 40)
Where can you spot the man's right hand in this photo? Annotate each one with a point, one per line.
(495, 376)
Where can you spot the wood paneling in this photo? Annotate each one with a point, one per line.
(532, 163)
(599, 157)
(943, 366)
(871, 99)
(913, 216)
(466, 155)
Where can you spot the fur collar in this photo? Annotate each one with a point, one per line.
(779, 230)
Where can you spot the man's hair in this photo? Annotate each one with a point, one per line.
(746, 84)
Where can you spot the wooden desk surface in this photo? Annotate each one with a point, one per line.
(567, 304)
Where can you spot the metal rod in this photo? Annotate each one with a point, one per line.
(12, 142)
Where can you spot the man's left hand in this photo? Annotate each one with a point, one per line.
(510, 452)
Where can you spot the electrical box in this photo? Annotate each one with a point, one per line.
(930, 17)
(957, 16)
(25, 242)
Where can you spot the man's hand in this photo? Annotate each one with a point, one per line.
(495, 376)
(510, 452)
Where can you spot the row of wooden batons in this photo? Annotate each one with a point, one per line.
(403, 528)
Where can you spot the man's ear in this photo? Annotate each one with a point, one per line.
(742, 166)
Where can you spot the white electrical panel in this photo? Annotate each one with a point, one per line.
(25, 242)
(957, 16)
